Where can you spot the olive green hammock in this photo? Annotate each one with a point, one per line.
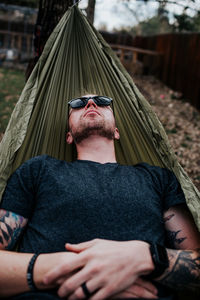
(76, 60)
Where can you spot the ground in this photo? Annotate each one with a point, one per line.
(180, 120)
(11, 85)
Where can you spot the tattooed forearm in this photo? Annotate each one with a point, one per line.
(172, 238)
(11, 226)
(183, 271)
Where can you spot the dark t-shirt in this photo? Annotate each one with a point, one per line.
(83, 200)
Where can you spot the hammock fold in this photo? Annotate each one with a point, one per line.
(76, 61)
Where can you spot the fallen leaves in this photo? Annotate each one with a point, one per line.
(180, 120)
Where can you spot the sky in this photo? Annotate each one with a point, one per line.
(113, 14)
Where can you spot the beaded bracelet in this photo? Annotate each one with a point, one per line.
(29, 274)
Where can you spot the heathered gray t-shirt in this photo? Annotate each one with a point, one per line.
(83, 200)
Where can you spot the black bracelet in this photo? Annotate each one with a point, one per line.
(29, 274)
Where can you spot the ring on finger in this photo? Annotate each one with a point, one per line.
(85, 290)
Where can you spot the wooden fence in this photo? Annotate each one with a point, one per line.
(179, 67)
(17, 35)
(129, 57)
(133, 51)
(20, 41)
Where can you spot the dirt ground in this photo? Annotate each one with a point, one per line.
(180, 120)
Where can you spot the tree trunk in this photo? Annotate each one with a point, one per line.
(90, 10)
(49, 14)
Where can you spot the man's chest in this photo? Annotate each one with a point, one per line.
(104, 204)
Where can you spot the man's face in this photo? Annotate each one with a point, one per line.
(91, 120)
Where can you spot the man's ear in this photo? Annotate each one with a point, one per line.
(116, 134)
(69, 138)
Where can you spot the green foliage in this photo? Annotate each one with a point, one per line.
(185, 23)
(159, 25)
(152, 26)
(196, 22)
(11, 85)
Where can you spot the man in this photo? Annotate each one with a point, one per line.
(112, 217)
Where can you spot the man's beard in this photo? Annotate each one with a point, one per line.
(86, 130)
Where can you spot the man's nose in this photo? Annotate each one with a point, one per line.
(90, 103)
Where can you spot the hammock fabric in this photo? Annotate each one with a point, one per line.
(77, 61)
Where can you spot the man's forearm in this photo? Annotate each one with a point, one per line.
(183, 271)
(13, 270)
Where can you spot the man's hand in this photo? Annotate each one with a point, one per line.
(107, 267)
(140, 289)
(47, 262)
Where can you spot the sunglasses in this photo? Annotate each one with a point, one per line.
(82, 101)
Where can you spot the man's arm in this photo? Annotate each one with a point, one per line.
(14, 265)
(109, 267)
(11, 227)
(182, 234)
(183, 271)
(13, 270)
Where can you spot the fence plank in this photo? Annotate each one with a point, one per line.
(180, 64)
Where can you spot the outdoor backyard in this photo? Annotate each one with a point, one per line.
(95, 218)
(179, 118)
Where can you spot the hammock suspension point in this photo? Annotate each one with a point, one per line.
(75, 2)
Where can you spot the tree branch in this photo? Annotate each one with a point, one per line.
(167, 2)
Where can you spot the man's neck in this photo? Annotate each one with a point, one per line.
(98, 149)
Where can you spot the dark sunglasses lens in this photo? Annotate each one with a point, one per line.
(103, 101)
(76, 103)
(81, 102)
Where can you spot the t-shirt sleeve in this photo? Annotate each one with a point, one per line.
(173, 193)
(19, 195)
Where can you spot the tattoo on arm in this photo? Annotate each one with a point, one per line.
(184, 265)
(172, 238)
(11, 226)
(183, 271)
(168, 218)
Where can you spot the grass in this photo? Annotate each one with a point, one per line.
(11, 85)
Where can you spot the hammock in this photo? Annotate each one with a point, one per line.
(77, 61)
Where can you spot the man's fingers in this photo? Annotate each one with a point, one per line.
(80, 247)
(56, 274)
(147, 285)
(74, 248)
(124, 295)
(103, 293)
(63, 270)
(140, 289)
(73, 283)
(141, 292)
(92, 286)
(78, 294)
